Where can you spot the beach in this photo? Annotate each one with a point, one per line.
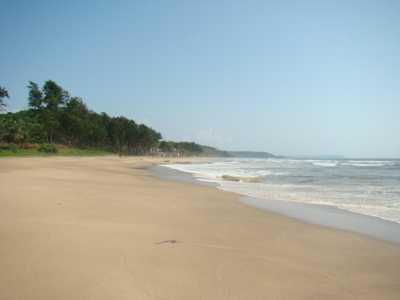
(108, 228)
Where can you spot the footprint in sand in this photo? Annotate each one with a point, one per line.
(167, 242)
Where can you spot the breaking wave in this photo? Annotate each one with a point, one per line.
(369, 187)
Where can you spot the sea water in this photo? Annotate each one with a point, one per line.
(369, 187)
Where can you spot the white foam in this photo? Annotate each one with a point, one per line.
(325, 163)
(366, 164)
(380, 199)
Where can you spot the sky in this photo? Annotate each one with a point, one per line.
(289, 77)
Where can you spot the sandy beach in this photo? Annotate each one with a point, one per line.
(107, 228)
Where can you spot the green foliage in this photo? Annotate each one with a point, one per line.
(47, 148)
(5, 151)
(188, 147)
(3, 94)
(56, 117)
(181, 148)
(13, 148)
(147, 138)
(13, 130)
(20, 128)
(47, 102)
(166, 146)
(20, 152)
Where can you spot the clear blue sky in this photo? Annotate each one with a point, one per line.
(289, 77)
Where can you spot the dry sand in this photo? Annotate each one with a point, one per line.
(105, 228)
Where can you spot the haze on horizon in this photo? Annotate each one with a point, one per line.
(287, 77)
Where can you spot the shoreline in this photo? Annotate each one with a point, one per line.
(317, 214)
(108, 228)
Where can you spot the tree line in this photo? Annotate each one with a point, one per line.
(55, 117)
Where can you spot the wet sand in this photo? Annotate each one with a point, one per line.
(106, 228)
(325, 215)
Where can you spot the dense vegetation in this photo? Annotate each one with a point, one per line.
(57, 122)
(252, 154)
(190, 148)
(3, 95)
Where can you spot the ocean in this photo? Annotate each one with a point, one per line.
(368, 187)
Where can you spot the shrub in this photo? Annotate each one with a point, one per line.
(13, 148)
(47, 148)
(28, 146)
(4, 146)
